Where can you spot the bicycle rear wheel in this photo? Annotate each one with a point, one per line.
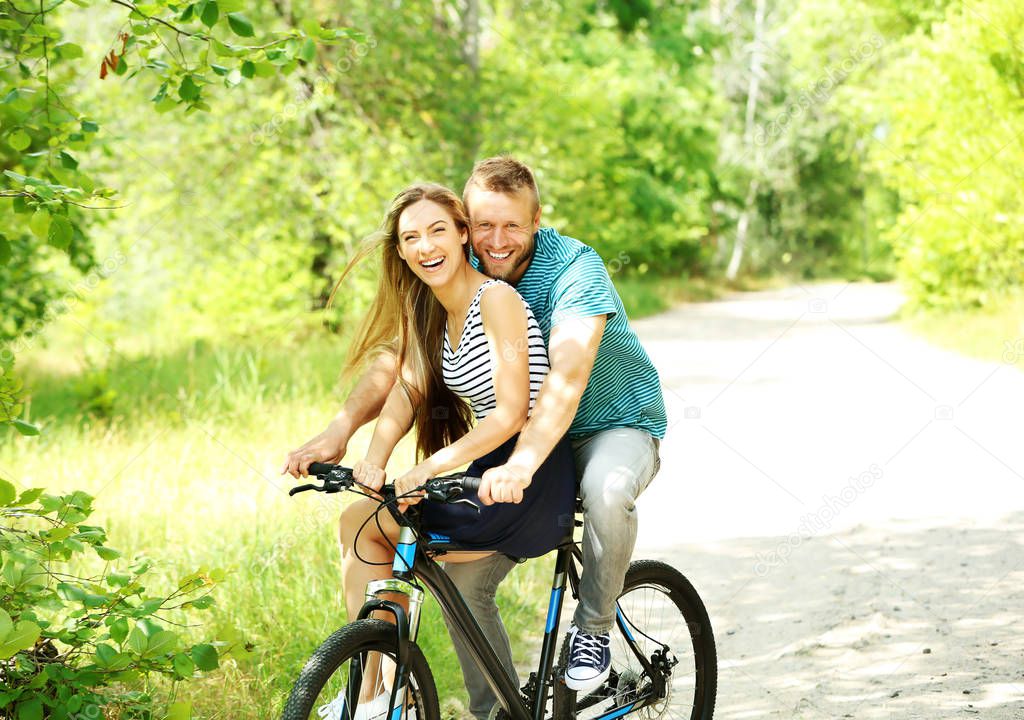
(351, 668)
(670, 628)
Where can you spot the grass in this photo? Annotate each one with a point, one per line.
(183, 451)
(994, 333)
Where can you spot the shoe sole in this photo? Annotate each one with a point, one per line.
(586, 686)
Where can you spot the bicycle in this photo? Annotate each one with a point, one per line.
(649, 676)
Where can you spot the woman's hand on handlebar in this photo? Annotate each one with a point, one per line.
(328, 447)
(409, 482)
(369, 475)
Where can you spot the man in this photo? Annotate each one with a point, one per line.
(602, 389)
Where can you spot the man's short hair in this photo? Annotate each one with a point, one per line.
(504, 174)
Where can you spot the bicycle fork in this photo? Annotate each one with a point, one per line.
(406, 622)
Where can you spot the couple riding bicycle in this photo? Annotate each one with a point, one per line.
(481, 314)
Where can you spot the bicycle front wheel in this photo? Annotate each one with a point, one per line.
(667, 624)
(350, 677)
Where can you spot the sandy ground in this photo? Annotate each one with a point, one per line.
(849, 501)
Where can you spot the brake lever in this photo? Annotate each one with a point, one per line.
(440, 491)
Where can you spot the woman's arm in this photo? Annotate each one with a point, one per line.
(395, 420)
(363, 405)
(504, 321)
(396, 417)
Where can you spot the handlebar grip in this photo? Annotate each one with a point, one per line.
(319, 468)
(471, 483)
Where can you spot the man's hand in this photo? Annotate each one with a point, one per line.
(504, 484)
(327, 447)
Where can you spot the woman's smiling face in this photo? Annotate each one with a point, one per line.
(430, 242)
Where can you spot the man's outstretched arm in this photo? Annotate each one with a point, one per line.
(572, 350)
(363, 404)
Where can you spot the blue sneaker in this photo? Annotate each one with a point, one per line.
(590, 660)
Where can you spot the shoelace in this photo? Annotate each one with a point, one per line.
(333, 708)
(586, 649)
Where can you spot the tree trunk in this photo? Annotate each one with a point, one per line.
(753, 88)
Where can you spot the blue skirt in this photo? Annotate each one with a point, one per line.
(534, 527)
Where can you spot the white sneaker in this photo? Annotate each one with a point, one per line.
(376, 709)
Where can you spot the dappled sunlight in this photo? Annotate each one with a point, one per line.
(902, 619)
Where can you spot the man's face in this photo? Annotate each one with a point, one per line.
(501, 229)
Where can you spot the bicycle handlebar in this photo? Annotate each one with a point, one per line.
(337, 478)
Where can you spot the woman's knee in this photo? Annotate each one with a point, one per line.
(351, 520)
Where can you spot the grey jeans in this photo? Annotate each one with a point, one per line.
(613, 467)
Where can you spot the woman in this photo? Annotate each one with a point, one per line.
(464, 342)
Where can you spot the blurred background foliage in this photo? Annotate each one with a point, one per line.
(184, 181)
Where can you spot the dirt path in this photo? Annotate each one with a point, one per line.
(849, 500)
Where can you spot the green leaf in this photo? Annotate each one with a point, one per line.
(248, 69)
(40, 223)
(119, 630)
(22, 637)
(183, 665)
(222, 50)
(69, 51)
(162, 642)
(179, 711)
(308, 51)
(31, 709)
(165, 104)
(137, 641)
(188, 90)
(8, 493)
(106, 654)
(25, 428)
(6, 624)
(205, 657)
(150, 606)
(210, 14)
(89, 126)
(60, 232)
(5, 249)
(107, 553)
(19, 140)
(70, 592)
(30, 496)
(240, 24)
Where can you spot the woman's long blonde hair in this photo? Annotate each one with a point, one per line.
(408, 320)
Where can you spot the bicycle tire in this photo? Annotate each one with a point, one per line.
(651, 574)
(344, 644)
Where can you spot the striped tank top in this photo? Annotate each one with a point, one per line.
(468, 370)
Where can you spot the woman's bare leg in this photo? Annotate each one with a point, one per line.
(373, 547)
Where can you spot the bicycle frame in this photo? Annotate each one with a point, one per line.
(412, 563)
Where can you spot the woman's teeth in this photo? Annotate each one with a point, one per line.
(499, 256)
(430, 264)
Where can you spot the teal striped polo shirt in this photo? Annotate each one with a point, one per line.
(567, 279)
